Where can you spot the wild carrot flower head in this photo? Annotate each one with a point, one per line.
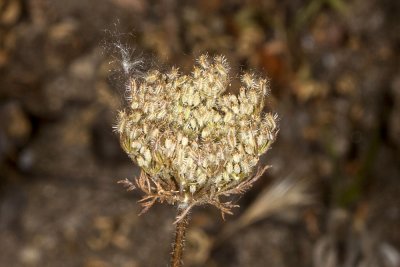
(194, 142)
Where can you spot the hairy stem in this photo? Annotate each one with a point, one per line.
(179, 242)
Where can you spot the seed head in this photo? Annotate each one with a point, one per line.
(194, 143)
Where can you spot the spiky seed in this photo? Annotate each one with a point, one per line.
(248, 80)
(185, 141)
(203, 61)
(152, 76)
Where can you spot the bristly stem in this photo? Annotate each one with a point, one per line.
(179, 242)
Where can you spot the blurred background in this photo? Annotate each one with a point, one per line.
(332, 197)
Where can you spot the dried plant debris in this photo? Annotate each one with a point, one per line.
(194, 143)
(280, 198)
(283, 197)
(349, 243)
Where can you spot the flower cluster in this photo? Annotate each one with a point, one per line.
(192, 141)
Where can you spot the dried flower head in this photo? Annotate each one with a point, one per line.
(194, 143)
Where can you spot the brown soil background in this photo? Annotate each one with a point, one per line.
(335, 77)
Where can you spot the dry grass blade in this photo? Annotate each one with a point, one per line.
(282, 196)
